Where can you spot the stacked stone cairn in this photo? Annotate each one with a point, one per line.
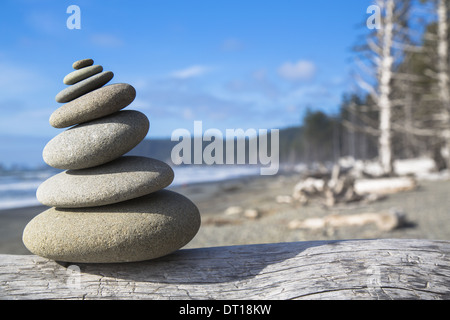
(106, 207)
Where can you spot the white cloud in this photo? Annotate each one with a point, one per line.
(106, 40)
(190, 72)
(260, 74)
(188, 114)
(232, 44)
(45, 22)
(142, 104)
(301, 70)
(292, 109)
(17, 81)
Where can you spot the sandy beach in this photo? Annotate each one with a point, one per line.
(245, 211)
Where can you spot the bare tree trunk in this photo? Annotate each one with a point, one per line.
(385, 77)
(409, 137)
(351, 136)
(443, 76)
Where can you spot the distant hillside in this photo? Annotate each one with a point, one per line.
(290, 147)
(155, 148)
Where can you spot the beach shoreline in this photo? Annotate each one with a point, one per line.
(14, 220)
(259, 218)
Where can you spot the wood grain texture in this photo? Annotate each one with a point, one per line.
(351, 269)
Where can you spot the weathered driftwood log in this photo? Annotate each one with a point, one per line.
(385, 185)
(386, 221)
(364, 269)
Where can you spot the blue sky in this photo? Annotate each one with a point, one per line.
(231, 64)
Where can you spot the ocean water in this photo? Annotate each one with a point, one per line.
(18, 187)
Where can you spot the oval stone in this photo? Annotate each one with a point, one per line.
(84, 86)
(96, 142)
(125, 178)
(135, 230)
(82, 63)
(82, 74)
(93, 105)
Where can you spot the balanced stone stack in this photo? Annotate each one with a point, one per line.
(106, 207)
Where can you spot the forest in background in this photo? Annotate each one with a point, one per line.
(400, 105)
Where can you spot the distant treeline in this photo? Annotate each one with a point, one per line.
(320, 138)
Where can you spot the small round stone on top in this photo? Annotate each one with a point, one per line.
(82, 63)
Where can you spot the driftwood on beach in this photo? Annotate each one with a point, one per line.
(385, 221)
(346, 185)
(364, 269)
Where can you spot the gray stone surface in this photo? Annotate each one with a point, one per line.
(96, 142)
(82, 74)
(82, 63)
(84, 86)
(93, 105)
(140, 229)
(125, 178)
